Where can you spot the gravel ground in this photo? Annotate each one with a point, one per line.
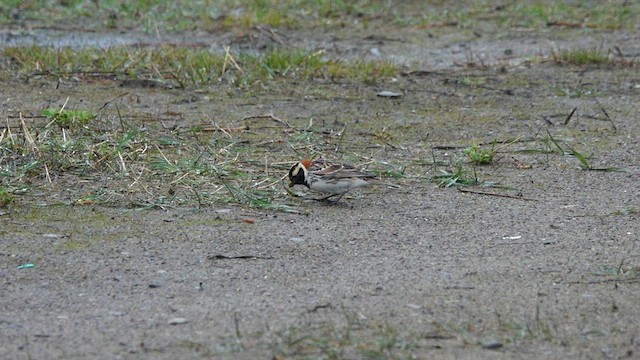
(550, 271)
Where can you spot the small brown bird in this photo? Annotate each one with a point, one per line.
(333, 180)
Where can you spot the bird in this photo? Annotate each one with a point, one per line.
(335, 180)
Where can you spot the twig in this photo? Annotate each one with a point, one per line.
(495, 194)
(240, 257)
(226, 130)
(608, 118)
(617, 280)
(267, 116)
(271, 34)
(566, 121)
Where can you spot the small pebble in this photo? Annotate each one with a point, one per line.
(51, 236)
(177, 321)
(389, 94)
(491, 345)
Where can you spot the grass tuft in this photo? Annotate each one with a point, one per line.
(581, 56)
(458, 177)
(189, 67)
(6, 198)
(479, 155)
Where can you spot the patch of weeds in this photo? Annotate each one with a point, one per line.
(369, 72)
(281, 62)
(188, 67)
(589, 91)
(557, 146)
(471, 81)
(458, 177)
(619, 272)
(550, 140)
(584, 162)
(261, 12)
(254, 198)
(194, 346)
(480, 156)
(537, 328)
(563, 14)
(176, 16)
(329, 341)
(68, 118)
(580, 56)
(43, 151)
(6, 198)
(181, 166)
(98, 196)
(389, 173)
(625, 212)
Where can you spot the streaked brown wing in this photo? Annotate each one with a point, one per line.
(329, 170)
(342, 172)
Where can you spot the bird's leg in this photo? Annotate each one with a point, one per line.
(326, 198)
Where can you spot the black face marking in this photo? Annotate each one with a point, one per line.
(296, 175)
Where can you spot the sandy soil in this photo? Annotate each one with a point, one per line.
(552, 271)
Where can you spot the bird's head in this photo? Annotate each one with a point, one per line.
(299, 173)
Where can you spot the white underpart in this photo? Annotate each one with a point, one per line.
(336, 186)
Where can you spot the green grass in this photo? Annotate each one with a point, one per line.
(581, 56)
(6, 198)
(460, 176)
(330, 341)
(187, 67)
(190, 15)
(68, 118)
(242, 15)
(620, 272)
(480, 156)
(107, 156)
(625, 212)
(579, 14)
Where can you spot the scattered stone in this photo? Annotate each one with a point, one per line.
(177, 321)
(389, 94)
(51, 236)
(297, 239)
(491, 345)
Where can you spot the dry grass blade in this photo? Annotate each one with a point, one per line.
(27, 136)
(228, 59)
